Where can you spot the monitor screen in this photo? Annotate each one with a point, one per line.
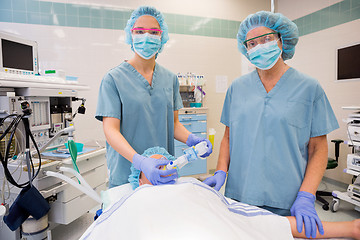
(17, 55)
(348, 63)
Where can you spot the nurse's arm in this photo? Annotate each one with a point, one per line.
(224, 155)
(180, 132)
(318, 157)
(116, 139)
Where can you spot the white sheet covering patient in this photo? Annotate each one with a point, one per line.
(190, 210)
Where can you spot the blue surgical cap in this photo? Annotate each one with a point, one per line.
(135, 173)
(287, 29)
(151, 11)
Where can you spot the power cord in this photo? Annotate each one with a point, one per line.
(12, 129)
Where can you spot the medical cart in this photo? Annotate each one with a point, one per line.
(51, 103)
(194, 120)
(352, 195)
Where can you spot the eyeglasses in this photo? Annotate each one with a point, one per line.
(152, 31)
(265, 38)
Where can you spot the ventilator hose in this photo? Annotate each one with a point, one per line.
(75, 184)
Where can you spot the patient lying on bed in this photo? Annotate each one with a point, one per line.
(190, 209)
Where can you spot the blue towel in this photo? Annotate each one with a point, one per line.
(28, 202)
(64, 154)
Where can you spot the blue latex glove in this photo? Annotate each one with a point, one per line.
(151, 168)
(304, 211)
(193, 140)
(217, 180)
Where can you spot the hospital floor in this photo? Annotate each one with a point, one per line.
(346, 212)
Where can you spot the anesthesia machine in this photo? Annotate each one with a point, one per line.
(40, 181)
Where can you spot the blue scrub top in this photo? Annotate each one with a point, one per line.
(146, 112)
(269, 136)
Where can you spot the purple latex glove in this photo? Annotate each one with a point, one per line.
(151, 168)
(217, 180)
(304, 211)
(193, 140)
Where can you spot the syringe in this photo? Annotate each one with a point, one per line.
(190, 154)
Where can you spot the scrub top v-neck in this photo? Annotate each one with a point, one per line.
(269, 135)
(146, 112)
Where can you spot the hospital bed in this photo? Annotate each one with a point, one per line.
(188, 209)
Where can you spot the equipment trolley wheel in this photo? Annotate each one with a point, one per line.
(334, 206)
(325, 207)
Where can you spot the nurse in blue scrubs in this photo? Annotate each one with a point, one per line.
(138, 104)
(274, 149)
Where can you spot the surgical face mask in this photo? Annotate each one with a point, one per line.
(146, 45)
(265, 56)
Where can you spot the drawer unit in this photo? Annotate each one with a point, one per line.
(94, 178)
(196, 124)
(66, 212)
(192, 117)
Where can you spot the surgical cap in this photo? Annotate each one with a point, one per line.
(287, 29)
(135, 173)
(150, 11)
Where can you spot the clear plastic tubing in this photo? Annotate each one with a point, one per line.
(75, 184)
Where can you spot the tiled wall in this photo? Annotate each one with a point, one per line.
(336, 14)
(75, 15)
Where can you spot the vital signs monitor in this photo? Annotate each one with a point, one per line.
(18, 55)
